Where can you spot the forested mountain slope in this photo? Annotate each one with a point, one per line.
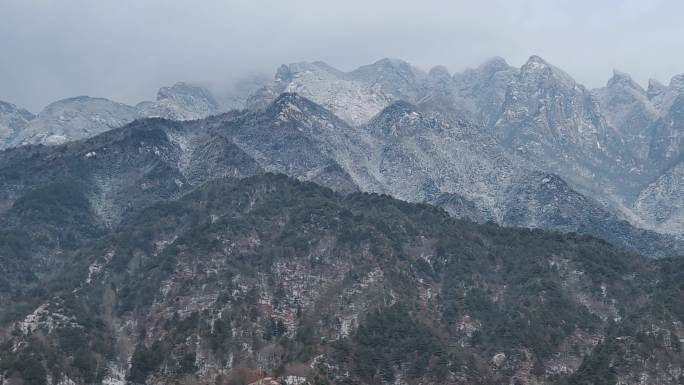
(268, 276)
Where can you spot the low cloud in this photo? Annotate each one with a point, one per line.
(125, 50)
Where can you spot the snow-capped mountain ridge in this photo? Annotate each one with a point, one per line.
(84, 116)
(611, 143)
(403, 152)
(620, 137)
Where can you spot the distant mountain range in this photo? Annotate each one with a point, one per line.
(479, 143)
(381, 226)
(613, 143)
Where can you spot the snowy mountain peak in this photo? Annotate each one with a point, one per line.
(626, 107)
(677, 83)
(315, 67)
(388, 67)
(393, 64)
(184, 92)
(84, 116)
(321, 65)
(536, 64)
(78, 103)
(655, 88)
(617, 74)
(537, 69)
(355, 97)
(439, 72)
(622, 86)
(624, 79)
(535, 61)
(283, 74)
(182, 101)
(494, 64)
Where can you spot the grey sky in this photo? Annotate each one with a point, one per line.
(126, 49)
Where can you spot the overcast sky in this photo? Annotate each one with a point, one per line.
(126, 49)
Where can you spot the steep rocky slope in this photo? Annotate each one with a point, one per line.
(661, 203)
(653, 126)
(552, 120)
(240, 280)
(610, 143)
(626, 107)
(667, 141)
(418, 157)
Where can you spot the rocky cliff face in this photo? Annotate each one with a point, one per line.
(626, 107)
(550, 119)
(483, 89)
(662, 201)
(653, 127)
(667, 144)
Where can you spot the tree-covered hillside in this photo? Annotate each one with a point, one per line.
(240, 279)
